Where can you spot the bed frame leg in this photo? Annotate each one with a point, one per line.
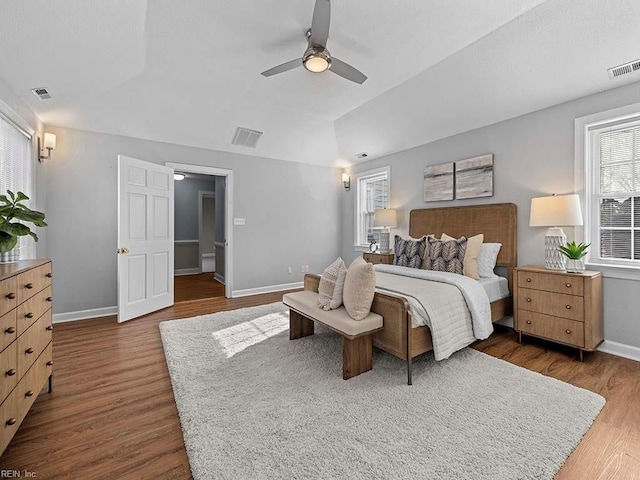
(409, 379)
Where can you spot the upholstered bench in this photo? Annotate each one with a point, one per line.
(357, 335)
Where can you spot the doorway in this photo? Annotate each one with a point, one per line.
(202, 232)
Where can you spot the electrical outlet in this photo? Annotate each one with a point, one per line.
(301, 268)
(306, 268)
(289, 271)
(239, 221)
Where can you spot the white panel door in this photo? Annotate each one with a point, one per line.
(145, 237)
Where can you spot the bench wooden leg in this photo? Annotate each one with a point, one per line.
(299, 325)
(356, 356)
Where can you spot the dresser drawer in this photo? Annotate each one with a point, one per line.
(32, 281)
(35, 379)
(8, 295)
(33, 309)
(9, 374)
(553, 328)
(7, 329)
(556, 304)
(551, 283)
(32, 342)
(11, 416)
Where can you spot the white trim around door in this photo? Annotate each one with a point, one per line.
(228, 208)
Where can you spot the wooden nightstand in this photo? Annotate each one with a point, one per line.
(559, 306)
(386, 258)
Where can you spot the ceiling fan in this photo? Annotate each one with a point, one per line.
(317, 58)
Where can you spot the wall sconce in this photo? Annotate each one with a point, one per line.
(346, 181)
(178, 176)
(49, 144)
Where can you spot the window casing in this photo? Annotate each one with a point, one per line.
(372, 193)
(612, 191)
(16, 167)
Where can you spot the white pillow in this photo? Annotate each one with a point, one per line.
(332, 285)
(487, 259)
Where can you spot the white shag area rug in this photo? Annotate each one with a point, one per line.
(255, 405)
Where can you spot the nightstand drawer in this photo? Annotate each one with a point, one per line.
(569, 285)
(558, 305)
(553, 328)
(378, 258)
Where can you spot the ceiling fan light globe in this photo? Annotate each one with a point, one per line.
(317, 63)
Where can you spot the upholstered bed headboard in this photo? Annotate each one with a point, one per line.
(498, 222)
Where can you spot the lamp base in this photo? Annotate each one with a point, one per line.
(384, 241)
(553, 257)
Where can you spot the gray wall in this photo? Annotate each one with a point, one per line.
(186, 206)
(534, 156)
(208, 225)
(292, 212)
(220, 223)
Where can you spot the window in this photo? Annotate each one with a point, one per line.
(612, 217)
(372, 193)
(16, 167)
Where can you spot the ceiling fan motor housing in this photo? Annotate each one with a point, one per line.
(316, 59)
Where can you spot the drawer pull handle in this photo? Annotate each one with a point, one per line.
(568, 332)
(29, 315)
(568, 285)
(11, 421)
(528, 322)
(49, 327)
(528, 300)
(49, 275)
(29, 286)
(29, 393)
(568, 307)
(11, 295)
(10, 330)
(11, 373)
(49, 299)
(29, 351)
(49, 363)
(528, 280)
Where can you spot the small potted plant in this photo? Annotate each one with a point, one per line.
(575, 253)
(13, 216)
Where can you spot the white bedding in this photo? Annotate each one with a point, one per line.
(497, 288)
(454, 307)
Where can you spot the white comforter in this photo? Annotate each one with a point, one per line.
(456, 308)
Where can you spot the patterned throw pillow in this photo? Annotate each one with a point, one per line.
(446, 256)
(332, 285)
(409, 253)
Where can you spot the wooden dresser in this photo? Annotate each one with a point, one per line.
(26, 361)
(375, 258)
(559, 306)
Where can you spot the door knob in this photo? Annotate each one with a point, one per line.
(123, 250)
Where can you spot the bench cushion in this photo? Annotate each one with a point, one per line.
(306, 302)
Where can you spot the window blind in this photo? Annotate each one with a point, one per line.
(619, 192)
(16, 171)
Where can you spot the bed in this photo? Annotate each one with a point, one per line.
(498, 223)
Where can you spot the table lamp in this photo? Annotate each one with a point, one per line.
(555, 211)
(385, 218)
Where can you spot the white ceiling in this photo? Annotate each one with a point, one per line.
(189, 72)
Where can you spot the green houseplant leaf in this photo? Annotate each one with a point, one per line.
(574, 251)
(13, 208)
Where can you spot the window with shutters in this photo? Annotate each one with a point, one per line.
(372, 193)
(16, 167)
(613, 193)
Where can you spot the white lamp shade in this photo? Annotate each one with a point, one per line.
(555, 211)
(385, 218)
(50, 141)
(345, 177)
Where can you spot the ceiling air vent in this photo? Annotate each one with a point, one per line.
(624, 69)
(42, 93)
(246, 137)
(362, 155)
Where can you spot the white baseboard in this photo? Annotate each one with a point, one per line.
(267, 289)
(219, 278)
(186, 271)
(84, 314)
(620, 350)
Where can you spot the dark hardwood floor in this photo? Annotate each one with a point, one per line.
(112, 412)
(196, 287)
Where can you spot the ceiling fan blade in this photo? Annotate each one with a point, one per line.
(347, 71)
(320, 23)
(283, 68)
